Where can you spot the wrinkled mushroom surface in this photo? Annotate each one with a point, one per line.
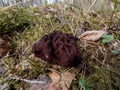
(58, 48)
(4, 48)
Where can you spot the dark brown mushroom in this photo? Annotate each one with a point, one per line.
(4, 48)
(58, 48)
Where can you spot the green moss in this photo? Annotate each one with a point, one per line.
(105, 79)
(14, 20)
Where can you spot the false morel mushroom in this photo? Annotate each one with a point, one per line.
(4, 48)
(58, 48)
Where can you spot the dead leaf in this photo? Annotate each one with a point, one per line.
(4, 47)
(93, 35)
(41, 83)
(39, 87)
(67, 77)
(61, 81)
(55, 76)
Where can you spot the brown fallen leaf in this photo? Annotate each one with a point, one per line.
(55, 76)
(4, 47)
(67, 77)
(41, 83)
(38, 87)
(34, 87)
(93, 35)
(60, 81)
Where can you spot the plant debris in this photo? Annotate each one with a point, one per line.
(92, 35)
(59, 81)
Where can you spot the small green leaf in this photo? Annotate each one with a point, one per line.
(83, 84)
(107, 38)
(1, 80)
(116, 51)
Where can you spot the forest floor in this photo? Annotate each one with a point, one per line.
(20, 69)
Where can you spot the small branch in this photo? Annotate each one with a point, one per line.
(30, 81)
(91, 5)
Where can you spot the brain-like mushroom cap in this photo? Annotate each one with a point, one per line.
(58, 48)
(4, 48)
